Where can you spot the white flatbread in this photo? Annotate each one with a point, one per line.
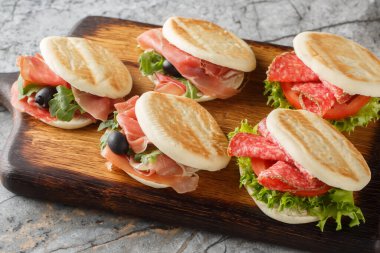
(183, 130)
(87, 66)
(340, 61)
(319, 148)
(209, 42)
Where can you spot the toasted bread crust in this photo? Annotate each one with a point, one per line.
(209, 42)
(183, 130)
(319, 148)
(340, 61)
(87, 66)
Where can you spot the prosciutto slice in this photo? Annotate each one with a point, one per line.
(127, 120)
(33, 69)
(98, 107)
(169, 85)
(210, 79)
(30, 108)
(173, 178)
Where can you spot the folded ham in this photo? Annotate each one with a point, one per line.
(211, 79)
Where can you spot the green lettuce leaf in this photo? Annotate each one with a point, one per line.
(28, 90)
(369, 112)
(335, 204)
(110, 125)
(63, 105)
(150, 62)
(191, 91)
(147, 157)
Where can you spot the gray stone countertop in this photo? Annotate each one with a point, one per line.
(29, 225)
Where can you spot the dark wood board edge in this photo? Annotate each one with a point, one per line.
(10, 179)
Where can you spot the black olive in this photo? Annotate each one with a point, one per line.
(170, 69)
(44, 95)
(118, 143)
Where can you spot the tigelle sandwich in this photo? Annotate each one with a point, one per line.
(164, 139)
(195, 58)
(300, 169)
(73, 83)
(329, 75)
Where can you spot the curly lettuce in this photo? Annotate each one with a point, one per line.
(368, 113)
(335, 204)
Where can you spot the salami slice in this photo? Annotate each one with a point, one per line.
(315, 97)
(340, 96)
(255, 146)
(288, 67)
(282, 176)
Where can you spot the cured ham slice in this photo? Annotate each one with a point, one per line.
(33, 69)
(127, 120)
(98, 107)
(177, 181)
(288, 67)
(23, 106)
(210, 79)
(315, 97)
(169, 85)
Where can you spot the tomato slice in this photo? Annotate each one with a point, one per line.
(352, 107)
(337, 112)
(259, 165)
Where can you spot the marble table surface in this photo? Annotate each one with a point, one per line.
(29, 225)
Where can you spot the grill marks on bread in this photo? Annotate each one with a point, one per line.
(202, 136)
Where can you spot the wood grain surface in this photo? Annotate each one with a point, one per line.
(65, 166)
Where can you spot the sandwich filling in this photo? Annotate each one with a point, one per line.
(176, 72)
(142, 159)
(281, 183)
(44, 95)
(291, 84)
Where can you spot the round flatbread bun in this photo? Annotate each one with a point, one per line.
(75, 123)
(340, 61)
(286, 215)
(210, 42)
(183, 130)
(87, 66)
(319, 148)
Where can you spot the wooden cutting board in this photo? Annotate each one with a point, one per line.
(43, 162)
